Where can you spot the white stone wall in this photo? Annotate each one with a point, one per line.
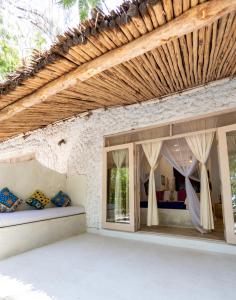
(82, 153)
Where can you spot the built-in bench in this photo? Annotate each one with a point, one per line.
(24, 230)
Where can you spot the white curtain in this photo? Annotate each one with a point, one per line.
(143, 179)
(144, 176)
(119, 157)
(181, 158)
(200, 144)
(152, 151)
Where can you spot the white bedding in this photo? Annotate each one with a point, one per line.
(28, 216)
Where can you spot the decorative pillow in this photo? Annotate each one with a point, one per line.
(173, 196)
(160, 195)
(181, 195)
(38, 200)
(61, 199)
(8, 201)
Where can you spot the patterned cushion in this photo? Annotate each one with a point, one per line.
(61, 199)
(8, 201)
(160, 195)
(38, 200)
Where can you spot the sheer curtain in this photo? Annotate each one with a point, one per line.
(200, 144)
(119, 157)
(142, 175)
(181, 158)
(143, 179)
(152, 151)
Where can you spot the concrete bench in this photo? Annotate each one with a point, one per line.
(21, 231)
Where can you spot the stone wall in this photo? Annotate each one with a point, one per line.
(82, 153)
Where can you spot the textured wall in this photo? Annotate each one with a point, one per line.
(82, 153)
(23, 178)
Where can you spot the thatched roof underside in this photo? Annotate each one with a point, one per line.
(194, 59)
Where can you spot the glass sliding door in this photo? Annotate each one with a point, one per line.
(118, 188)
(227, 155)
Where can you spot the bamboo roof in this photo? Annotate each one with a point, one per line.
(192, 59)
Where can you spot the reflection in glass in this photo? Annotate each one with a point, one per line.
(118, 186)
(231, 143)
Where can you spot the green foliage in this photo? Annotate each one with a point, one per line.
(124, 181)
(85, 6)
(9, 54)
(67, 3)
(10, 57)
(39, 41)
(232, 166)
(83, 10)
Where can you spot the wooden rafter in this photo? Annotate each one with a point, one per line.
(193, 19)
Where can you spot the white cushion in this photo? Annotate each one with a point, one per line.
(29, 216)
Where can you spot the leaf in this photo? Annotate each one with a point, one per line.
(85, 6)
(9, 53)
(67, 3)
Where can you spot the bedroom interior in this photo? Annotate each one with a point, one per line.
(173, 157)
(172, 201)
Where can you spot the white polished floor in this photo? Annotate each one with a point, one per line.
(93, 267)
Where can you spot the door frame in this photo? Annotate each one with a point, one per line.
(134, 193)
(225, 183)
(131, 227)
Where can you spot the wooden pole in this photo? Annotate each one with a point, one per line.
(195, 18)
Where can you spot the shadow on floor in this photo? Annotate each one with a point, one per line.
(217, 234)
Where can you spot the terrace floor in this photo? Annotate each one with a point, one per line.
(94, 267)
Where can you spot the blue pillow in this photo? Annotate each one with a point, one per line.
(61, 199)
(8, 201)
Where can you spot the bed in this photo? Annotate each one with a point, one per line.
(169, 200)
(172, 209)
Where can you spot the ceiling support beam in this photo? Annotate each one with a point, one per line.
(195, 18)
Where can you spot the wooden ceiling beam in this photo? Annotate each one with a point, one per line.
(195, 18)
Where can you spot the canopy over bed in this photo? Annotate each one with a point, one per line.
(183, 154)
